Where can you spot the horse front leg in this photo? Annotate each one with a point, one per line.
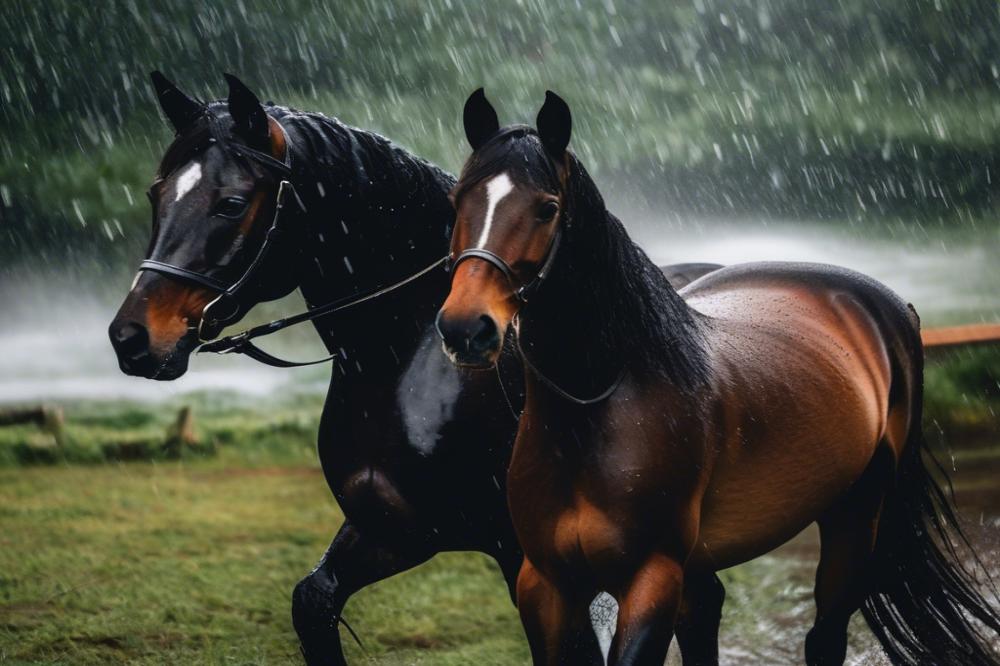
(699, 618)
(647, 613)
(557, 624)
(351, 562)
(510, 566)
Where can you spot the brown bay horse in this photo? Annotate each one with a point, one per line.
(666, 438)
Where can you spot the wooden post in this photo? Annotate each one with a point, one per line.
(54, 420)
(181, 433)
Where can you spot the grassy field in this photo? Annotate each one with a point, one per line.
(194, 563)
(193, 560)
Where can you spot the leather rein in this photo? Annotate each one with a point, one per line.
(226, 307)
(240, 343)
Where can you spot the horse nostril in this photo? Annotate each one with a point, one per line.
(485, 337)
(131, 339)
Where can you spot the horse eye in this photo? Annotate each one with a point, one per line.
(548, 211)
(231, 207)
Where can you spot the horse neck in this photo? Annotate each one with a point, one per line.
(375, 215)
(607, 308)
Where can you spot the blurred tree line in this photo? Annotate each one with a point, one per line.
(845, 110)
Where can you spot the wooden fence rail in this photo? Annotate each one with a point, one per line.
(952, 336)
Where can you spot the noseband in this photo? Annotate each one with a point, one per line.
(226, 307)
(527, 289)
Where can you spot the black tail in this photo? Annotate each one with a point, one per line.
(926, 607)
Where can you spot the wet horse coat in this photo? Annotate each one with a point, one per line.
(664, 439)
(842, 341)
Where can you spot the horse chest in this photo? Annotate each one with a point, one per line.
(570, 531)
(591, 512)
(586, 536)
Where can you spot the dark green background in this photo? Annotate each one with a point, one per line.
(851, 111)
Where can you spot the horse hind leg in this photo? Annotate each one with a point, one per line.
(847, 543)
(556, 624)
(647, 613)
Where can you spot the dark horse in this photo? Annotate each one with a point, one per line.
(664, 439)
(397, 433)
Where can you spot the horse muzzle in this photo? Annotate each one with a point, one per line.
(136, 357)
(471, 342)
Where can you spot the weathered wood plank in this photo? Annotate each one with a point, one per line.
(951, 336)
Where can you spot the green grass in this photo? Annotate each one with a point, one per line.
(235, 430)
(962, 395)
(195, 563)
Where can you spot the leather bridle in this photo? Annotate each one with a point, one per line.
(523, 291)
(526, 290)
(227, 306)
(241, 342)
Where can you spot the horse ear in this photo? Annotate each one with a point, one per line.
(180, 109)
(480, 119)
(555, 124)
(247, 112)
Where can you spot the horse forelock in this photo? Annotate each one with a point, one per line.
(516, 150)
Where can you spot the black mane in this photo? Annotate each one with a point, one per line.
(373, 215)
(330, 157)
(642, 315)
(374, 212)
(385, 209)
(617, 298)
(184, 147)
(360, 157)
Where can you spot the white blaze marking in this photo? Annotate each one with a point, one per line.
(187, 180)
(499, 187)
